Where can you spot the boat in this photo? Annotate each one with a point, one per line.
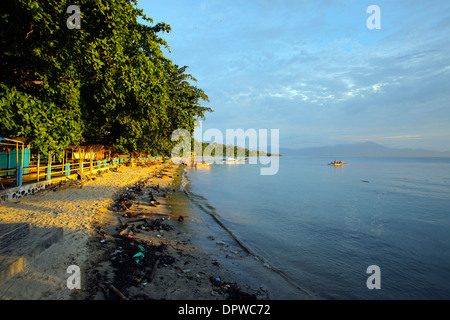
(338, 163)
(235, 160)
(203, 165)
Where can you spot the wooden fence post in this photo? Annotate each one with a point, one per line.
(49, 167)
(68, 169)
(38, 164)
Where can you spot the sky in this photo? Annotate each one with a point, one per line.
(314, 70)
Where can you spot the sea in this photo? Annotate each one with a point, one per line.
(376, 228)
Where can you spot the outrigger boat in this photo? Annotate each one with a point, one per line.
(194, 164)
(338, 163)
(203, 165)
(234, 160)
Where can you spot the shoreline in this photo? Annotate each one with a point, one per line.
(172, 268)
(179, 269)
(247, 268)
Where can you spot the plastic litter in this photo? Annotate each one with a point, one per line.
(138, 257)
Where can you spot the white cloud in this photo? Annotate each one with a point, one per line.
(315, 65)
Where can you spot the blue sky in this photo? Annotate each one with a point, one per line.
(313, 70)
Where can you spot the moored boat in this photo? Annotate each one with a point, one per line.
(203, 165)
(338, 163)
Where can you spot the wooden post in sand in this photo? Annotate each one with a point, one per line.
(38, 163)
(90, 166)
(63, 169)
(81, 163)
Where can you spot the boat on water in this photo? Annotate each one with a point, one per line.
(234, 160)
(203, 165)
(338, 163)
(193, 164)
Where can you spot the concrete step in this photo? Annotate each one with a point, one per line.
(10, 232)
(14, 257)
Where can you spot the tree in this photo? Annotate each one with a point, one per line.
(107, 82)
(35, 101)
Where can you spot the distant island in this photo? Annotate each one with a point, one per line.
(365, 149)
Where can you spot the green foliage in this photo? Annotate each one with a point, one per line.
(233, 151)
(107, 82)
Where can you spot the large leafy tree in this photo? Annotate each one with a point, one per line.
(36, 100)
(107, 82)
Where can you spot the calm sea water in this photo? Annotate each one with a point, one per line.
(321, 227)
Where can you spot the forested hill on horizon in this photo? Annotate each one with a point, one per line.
(365, 149)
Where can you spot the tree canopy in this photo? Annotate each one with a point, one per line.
(107, 82)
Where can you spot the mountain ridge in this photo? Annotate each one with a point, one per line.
(364, 149)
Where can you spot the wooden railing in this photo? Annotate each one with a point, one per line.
(38, 171)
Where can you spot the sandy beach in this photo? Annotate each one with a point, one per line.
(128, 244)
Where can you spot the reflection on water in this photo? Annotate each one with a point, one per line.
(321, 226)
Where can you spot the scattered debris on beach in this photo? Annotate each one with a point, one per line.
(149, 254)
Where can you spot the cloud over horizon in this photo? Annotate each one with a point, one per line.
(315, 71)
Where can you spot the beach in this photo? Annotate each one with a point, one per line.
(125, 245)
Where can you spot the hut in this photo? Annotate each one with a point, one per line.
(87, 151)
